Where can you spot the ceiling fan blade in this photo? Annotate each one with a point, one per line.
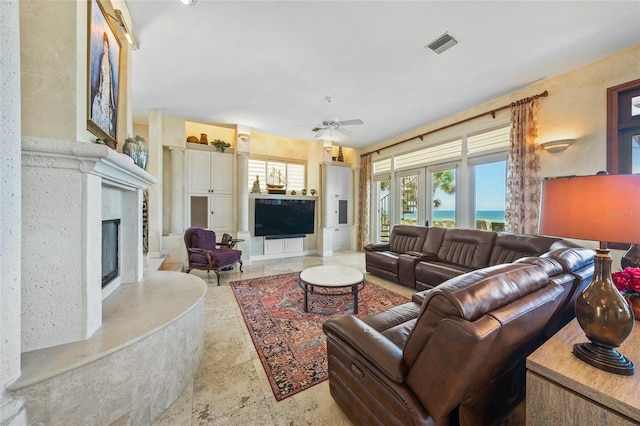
(315, 129)
(351, 122)
(320, 133)
(344, 131)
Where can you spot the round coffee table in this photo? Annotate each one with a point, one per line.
(321, 280)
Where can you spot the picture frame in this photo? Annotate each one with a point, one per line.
(103, 73)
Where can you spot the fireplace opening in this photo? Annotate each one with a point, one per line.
(110, 249)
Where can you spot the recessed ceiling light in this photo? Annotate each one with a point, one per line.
(187, 2)
(442, 43)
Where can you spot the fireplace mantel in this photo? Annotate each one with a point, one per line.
(68, 188)
(100, 160)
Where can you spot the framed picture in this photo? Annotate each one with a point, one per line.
(103, 74)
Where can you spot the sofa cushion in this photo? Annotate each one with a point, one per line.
(470, 296)
(395, 323)
(406, 238)
(431, 274)
(466, 247)
(204, 240)
(510, 247)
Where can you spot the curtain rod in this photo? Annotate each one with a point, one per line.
(492, 112)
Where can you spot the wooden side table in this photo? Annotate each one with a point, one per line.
(563, 390)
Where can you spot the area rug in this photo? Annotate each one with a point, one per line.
(290, 342)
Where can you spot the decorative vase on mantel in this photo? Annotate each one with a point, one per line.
(137, 149)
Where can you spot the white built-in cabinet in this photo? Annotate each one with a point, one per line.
(337, 203)
(210, 179)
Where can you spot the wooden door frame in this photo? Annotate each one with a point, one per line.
(613, 115)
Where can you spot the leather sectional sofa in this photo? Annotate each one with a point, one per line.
(456, 353)
(456, 358)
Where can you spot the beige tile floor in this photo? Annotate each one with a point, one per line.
(230, 387)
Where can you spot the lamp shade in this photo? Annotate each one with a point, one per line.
(598, 208)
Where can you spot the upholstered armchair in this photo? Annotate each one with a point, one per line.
(203, 252)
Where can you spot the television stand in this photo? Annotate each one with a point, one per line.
(282, 237)
(283, 247)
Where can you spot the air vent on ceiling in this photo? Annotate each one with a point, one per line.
(442, 43)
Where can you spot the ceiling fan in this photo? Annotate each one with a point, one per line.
(331, 123)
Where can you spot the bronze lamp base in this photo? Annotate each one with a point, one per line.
(606, 319)
(607, 359)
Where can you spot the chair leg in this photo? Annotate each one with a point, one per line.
(240, 262)
(217, 271)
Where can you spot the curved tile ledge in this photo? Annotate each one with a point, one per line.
(132, 368)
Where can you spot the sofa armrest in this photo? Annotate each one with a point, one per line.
(377, 247)
(422, 256)
(369, 344)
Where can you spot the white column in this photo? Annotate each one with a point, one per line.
(177, 186)
(12, 409)
(154, 167)
(243, 191)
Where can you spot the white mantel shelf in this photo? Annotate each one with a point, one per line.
(86, 157)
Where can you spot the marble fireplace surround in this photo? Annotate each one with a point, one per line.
(141, 338)
(68, 188)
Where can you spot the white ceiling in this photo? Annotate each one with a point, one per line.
(270, 64)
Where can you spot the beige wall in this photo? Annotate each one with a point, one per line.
(53, 55)
(575, 108)
(225, 134)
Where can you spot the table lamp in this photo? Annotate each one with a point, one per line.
(599, 208)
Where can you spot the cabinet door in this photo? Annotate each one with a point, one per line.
(199, 210)
(342, 183)
(331, 211)
(198, 167)
(221, 173)
(341, 238)
(221, 213)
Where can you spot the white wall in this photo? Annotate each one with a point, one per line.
(11, 410)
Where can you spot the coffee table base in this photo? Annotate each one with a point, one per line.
(320, 280)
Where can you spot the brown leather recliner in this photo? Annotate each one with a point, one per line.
(457, 358)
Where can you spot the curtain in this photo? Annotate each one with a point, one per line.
(364, 201)
(523, 169)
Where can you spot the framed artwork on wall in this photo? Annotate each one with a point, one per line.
(103, 74)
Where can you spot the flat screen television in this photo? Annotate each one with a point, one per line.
(279, 217)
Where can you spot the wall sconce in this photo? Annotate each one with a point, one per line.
(244, 136)
(125, 28)
(557, 145)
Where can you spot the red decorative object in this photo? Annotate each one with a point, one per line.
(627, 282)
(290, 343)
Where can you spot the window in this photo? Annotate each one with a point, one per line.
(623, 128)
(294, 173)
(409, 199)
(490, 181)
(382, 199)
(459, 182)
(431, 155)
(443, 197)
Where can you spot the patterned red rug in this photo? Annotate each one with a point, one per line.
(290, 342)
